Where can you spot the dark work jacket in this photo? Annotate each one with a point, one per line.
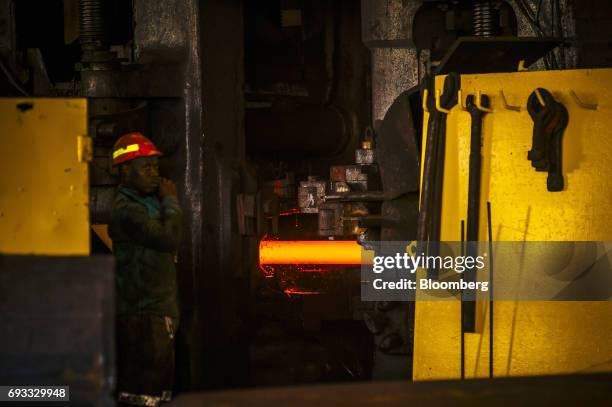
(145, 234)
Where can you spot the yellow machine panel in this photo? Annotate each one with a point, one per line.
(530, 338)
(44, 189)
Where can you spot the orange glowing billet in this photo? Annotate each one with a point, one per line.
(342, 252)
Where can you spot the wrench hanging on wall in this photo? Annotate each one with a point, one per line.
(468, 304)
(433, 166)
(550, 119)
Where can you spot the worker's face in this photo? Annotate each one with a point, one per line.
(142, 174)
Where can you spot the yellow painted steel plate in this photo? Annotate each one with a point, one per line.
(44, 189)
(530, 338)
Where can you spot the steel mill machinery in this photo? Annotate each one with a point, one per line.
(300, 133)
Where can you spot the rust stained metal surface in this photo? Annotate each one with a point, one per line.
(160, 27)
(387, 30)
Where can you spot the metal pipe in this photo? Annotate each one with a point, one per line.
(339, 252)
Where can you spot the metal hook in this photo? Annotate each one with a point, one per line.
(540, 98)
(438, 107)
(590, 106)
(425, 95)
(479, 105)
(460, 101)
(505, 103)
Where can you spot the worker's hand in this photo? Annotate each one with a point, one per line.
(166, 188)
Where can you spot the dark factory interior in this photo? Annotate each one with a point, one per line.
(292, 136)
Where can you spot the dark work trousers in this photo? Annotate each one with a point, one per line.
(145, 358)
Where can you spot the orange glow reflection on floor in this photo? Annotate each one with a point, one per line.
(312, 252)
(295, 291)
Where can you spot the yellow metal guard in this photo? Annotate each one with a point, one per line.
(530, 338)
(44, 189)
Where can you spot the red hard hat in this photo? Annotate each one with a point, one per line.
(133, 145)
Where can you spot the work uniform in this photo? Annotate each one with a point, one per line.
(145, 234)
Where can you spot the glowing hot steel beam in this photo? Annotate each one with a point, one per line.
(312, 252)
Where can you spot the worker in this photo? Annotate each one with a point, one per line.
(145, 228)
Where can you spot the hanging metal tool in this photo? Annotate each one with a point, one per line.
(433, 167)
(491, 284)
(550, 119)
(444, 103)
(475, 164)
(477, 110)
(431, 139)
